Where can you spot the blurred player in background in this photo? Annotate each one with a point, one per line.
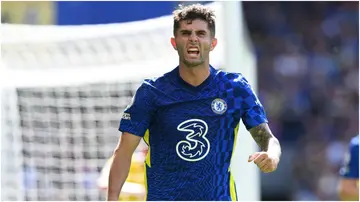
(189, 118)
(349, 182)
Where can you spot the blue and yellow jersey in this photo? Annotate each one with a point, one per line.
(350, 167)
(191, 133)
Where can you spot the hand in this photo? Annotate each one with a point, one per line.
(266, 162)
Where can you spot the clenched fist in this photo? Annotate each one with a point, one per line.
(266, 162)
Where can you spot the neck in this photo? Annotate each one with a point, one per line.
(194, 75)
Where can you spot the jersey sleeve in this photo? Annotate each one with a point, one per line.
(253, 112)
(350, 167)
(137, 116)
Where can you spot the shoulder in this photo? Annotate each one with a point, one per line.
(354, 143)
(153, 83)
(158, 82)
(153, 87)
(235, 82)
(235, 79)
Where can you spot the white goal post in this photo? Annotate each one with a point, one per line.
(63, 90)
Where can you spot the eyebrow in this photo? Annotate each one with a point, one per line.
(189, 31)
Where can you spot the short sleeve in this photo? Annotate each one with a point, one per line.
(137, 116)
(350, 168)
(253, 112)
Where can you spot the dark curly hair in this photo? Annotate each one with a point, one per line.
(193, 12)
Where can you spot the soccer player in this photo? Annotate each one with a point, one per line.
(349, 182)
(189, 118)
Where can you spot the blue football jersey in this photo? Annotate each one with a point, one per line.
(350, 168)
(191, 133)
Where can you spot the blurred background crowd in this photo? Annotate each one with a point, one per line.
(308, 78)
(308, 57)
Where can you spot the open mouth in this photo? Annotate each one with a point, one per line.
(193, 52)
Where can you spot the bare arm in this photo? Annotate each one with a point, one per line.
(348, 189)
(266, 140)
(120, 166)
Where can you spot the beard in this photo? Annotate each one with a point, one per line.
(192, 63)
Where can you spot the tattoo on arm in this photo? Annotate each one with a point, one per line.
(262, 135)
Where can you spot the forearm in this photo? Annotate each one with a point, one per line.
(118, 173)
(266, 140)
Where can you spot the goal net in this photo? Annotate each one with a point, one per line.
(63, 91)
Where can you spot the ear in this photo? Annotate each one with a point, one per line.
(173, 43)
(213, 44)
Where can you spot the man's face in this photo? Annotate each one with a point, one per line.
(193, 42)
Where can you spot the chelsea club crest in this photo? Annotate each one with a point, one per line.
(219, 106)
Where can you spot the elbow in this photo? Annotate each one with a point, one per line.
(119, 149)
(121, 154)
(116, 151)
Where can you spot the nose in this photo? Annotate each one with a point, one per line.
(193, 37)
